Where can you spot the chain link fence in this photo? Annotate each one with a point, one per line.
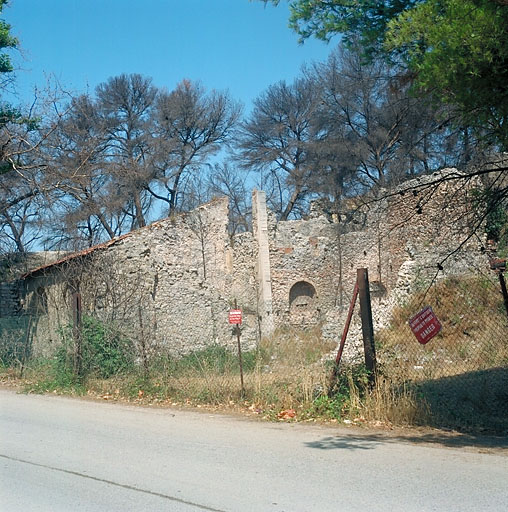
(461, 374)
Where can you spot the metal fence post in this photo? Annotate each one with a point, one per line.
(502, 282)
(362, 277)
(335, 370)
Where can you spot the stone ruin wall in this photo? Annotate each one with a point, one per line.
(187, 285)
(242, 274)
(186, 272)
(169, 283)
(400, 240)
(326, 255)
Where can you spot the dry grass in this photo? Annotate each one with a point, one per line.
(459, 380)
(473, 336)
(286, 379)
(396, 404)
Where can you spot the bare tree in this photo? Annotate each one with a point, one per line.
(125, 103)
(276, 140)
(100, 160)
(77, 165)
(20, 210)
(116, 155)
(192, 125)
(24, 185)
(225, 180)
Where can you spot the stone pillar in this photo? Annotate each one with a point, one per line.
(264, 281)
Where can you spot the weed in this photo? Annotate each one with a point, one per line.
(46, 376)
(329, 408)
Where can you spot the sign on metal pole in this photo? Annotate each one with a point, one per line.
(425, 325)
(235, 316)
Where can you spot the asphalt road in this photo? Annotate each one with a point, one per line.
(61, 454)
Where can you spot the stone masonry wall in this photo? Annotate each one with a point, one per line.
(169, 283)
(172, 283)
(401, 240)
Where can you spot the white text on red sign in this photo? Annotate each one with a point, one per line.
(235, 316)
(425, 325)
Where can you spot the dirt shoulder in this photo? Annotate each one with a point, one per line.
(348, 430)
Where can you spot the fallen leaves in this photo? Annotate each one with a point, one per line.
(288, 414)
(255, 409)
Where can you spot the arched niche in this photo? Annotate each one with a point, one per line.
(301, 289)
(303, 309)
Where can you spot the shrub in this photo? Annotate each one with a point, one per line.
(105, 350)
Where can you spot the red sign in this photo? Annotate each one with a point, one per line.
(235, 316)
(425, 325)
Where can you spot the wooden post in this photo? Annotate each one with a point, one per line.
(362, 277)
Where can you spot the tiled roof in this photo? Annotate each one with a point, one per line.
(88, 250)
(75, 255)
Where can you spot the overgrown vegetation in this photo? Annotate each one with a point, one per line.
(461, 374)
(286, 378)
(458, 380)
(473, 317)
(104, 351)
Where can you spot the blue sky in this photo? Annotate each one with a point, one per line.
(238, 45)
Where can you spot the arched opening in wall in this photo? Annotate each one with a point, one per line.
(301, 289)
(303, 310)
